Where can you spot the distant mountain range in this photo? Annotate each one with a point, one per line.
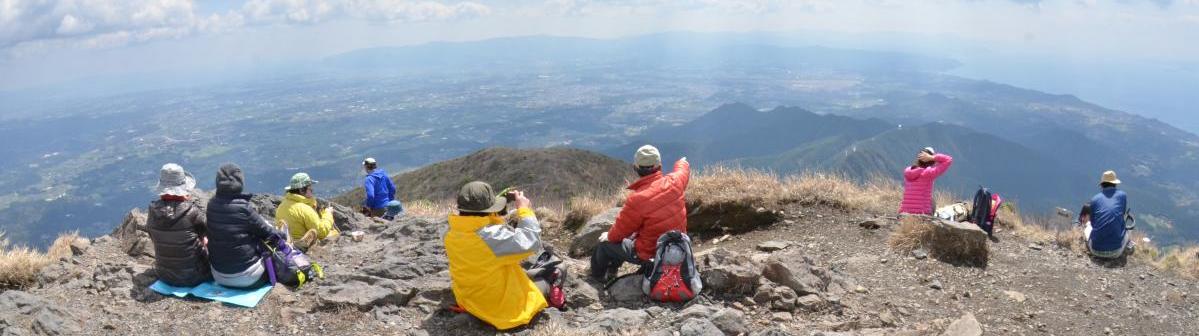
(1037, 177)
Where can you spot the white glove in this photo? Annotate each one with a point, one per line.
(603, 237)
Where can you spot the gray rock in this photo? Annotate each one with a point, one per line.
(585, 241)
(936, 284)
(135, 221)
(364, 293)
(699, 327)
(967, 325)
(796, 273)
(762, 295)
(140, 246)
(580, 293)
(627, 289)
(773, 245)
(697, 311)
(919, 254)
(726, 272)
(781, 317)
(783, 298)
(731, 322)
(48, 322)
(79, 246)
(616, 320)
(811, 302)
(774, 331)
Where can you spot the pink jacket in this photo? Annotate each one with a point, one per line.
(918, 186)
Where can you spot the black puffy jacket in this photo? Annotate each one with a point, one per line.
(176, 228)
(235, 229)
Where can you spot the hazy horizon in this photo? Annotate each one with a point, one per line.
(1136, 56)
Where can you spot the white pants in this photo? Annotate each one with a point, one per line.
(241, 279)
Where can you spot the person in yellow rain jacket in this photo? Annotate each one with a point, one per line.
(306, 221)
(485, 254)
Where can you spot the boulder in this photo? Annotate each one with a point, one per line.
(699, 327)
(585, 241)
(364, 293)
(731, 322)
(966, 325)
(627, 289)
(728, 216)
(613, 321)
(795, 272)
(726, 272)
(948, 241)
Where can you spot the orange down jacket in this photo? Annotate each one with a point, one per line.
(655, 206)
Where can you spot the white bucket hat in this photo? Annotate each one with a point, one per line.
(173, 180)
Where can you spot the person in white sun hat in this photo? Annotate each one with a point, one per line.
(178, 229)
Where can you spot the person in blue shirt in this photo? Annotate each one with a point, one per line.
(380, 192)
(1109, 220)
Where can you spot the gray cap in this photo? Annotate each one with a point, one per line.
(479, 197)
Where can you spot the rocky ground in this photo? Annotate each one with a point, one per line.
(816, 271)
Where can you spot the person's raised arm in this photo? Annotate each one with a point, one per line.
(682, 171)
(943, 164)
(511, 245)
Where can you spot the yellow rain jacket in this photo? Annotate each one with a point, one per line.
(485, 272)
(299, 213)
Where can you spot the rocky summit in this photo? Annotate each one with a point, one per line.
(817, 271)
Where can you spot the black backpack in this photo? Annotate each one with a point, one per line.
(982, 214)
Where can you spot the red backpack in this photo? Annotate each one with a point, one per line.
(673, 277)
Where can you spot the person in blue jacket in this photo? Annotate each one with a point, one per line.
(380, 192)
(1110, 220)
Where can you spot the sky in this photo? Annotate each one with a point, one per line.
(46, 42)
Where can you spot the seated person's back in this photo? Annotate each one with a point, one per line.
(236, 232)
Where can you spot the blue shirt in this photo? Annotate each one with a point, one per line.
(1108, 210)
(379, 189)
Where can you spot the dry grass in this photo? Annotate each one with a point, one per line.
(424, 208)
(20, 265)
(763, 189)
(910, 234)
(877, 195)
(582, 208)
(1184, 261)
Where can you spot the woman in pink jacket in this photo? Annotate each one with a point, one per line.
(918, 181)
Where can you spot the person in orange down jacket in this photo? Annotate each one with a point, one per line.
(655, 206)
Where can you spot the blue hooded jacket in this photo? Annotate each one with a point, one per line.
(379, 189)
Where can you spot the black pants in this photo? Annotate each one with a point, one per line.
(608, 258)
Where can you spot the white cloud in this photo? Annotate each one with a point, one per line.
(30, 27)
